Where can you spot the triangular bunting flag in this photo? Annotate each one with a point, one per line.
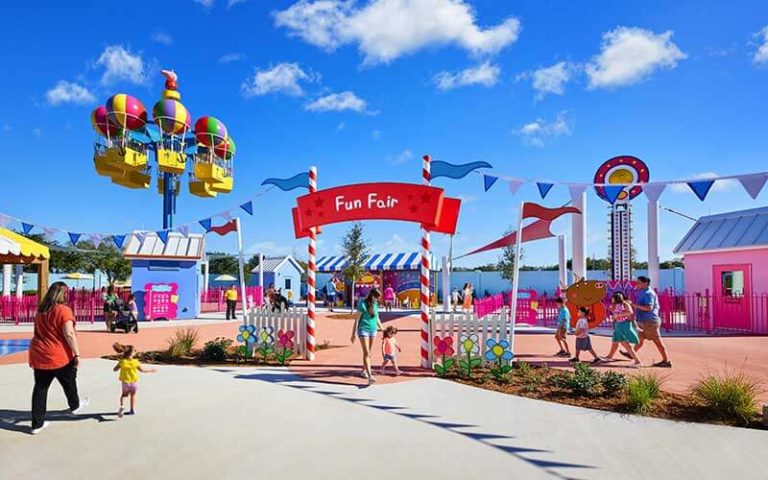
(27, 227)
(74, 237)
(248, 207)
(163, 234)
(96, 239)
(544, 188)
(514, 186)
(206, 224)
(488, 181)
(49, 233)
(4, 220)
(753, 184)
(701, 188)
(576, 192)
(118, 240)
(184, 230)
(654, 190)
(226, 215)
(612, 192)
(141, 236)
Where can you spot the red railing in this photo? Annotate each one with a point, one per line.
(212, 300)
(87, 305)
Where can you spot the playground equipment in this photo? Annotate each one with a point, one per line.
(127, 137)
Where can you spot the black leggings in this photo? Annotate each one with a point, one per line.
(67, 377)
(231, 307)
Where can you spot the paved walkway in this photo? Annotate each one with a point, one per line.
(269, 423)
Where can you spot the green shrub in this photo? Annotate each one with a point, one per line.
(534, 380)
(584, 381)
(642, 390)
(523, 368)
(730, 396)
(613, 383)
(216, 350)
(183, 342)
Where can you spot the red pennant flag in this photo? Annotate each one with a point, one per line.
(535, 231)
(222, 230)
(534, 210)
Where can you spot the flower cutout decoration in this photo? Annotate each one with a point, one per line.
(443, 346)
(285, 339)
(247, 334)
(497, 350)
(266, 336)
(469, 344)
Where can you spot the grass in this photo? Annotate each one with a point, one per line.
(183, 342)
(642, 390)
(730, 396)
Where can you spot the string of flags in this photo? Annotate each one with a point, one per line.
(752, 183)
(119, 239)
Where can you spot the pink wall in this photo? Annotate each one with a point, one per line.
(698, 268)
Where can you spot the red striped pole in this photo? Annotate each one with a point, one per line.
(424, 277)
(311, 268)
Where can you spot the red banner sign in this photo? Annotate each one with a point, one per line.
(377, 201)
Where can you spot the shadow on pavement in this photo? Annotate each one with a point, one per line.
(20, 420)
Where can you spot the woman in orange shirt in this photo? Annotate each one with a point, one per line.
(54, 353)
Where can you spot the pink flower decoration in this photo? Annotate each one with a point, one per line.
(443, 346)
(285, 339)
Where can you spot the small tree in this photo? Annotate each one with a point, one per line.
(355, 248)
(107, 259)
(506, 261)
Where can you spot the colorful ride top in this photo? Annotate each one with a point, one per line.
(127, 136)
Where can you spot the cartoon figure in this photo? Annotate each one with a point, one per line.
(588, 294)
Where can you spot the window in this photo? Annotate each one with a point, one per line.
(287, 283)
(732, 283)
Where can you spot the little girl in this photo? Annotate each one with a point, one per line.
(389, 349)
(583, 341)
(133, 313)
(624, 327)
(129, 368)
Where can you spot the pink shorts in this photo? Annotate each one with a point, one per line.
(129, 388)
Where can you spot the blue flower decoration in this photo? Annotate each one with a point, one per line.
(266, 336)
(247, 334)
(497, 350)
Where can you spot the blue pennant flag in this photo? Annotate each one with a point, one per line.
(297, 181)
(74, 237)
(445, 169)
(488, 181)
(248, 207)
(163, 234)
(612, 192)
(701, 188)
(27, 227)
(544, 188)
(206, 224)
(118, 240)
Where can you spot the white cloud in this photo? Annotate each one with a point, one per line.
(338, 102)
(552, 80)
(37, 131)
(283, 78)
(205, 3)
(719, 186)
(539, 132)
(231, 57)
(121, 65)
(162, 37)
(232, 3)
(401, 158)
(629, 55)
(384, 30)
(485, 74)
(395, 244)
(761, 55)
(68, 92)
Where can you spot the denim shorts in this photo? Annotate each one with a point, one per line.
(390, 358)
(366, 333)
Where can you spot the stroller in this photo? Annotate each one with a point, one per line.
(123, 321)
(279, 302)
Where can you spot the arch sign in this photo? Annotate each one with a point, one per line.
(407, 202)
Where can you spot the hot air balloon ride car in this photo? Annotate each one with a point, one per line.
(105, 140)
(211, 134)
(174, 121)
(129, 115)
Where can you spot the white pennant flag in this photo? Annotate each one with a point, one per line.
(753, 184)
(576, 192)
(184, 230)
(654, 190)
(514, 186)
(226, 215)
(5, 220)
(96, 238)
(49, 233)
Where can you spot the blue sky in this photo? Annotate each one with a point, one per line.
(541, 90)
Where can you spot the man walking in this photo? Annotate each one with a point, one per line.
(231, 297)
(330, 298)
(647, 314)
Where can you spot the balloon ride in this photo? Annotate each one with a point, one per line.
(127, 136)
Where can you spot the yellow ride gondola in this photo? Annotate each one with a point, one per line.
(201, 189)
(132, 179)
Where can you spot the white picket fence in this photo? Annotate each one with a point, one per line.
(294, 319)
(454, 324)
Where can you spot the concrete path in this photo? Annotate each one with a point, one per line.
(269, 423)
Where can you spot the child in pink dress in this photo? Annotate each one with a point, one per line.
(389, 298)
(389, 349)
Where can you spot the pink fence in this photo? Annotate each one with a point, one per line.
(212, 300)
(87, 305)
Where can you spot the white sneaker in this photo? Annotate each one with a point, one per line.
(371, 380)
(83, 405)
(39, 429)
(364, 374)
(120, 412)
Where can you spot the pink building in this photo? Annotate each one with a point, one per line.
(726, 270)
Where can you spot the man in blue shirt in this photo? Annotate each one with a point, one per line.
(563, 324)
(330, 298)
(647, 315)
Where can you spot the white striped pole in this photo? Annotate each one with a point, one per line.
(425, 257)
(311, 268)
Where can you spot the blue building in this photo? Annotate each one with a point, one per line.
(166, 277)
(282, 272)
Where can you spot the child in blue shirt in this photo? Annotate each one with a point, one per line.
(563, 323)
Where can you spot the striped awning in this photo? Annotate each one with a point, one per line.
(377, 262)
